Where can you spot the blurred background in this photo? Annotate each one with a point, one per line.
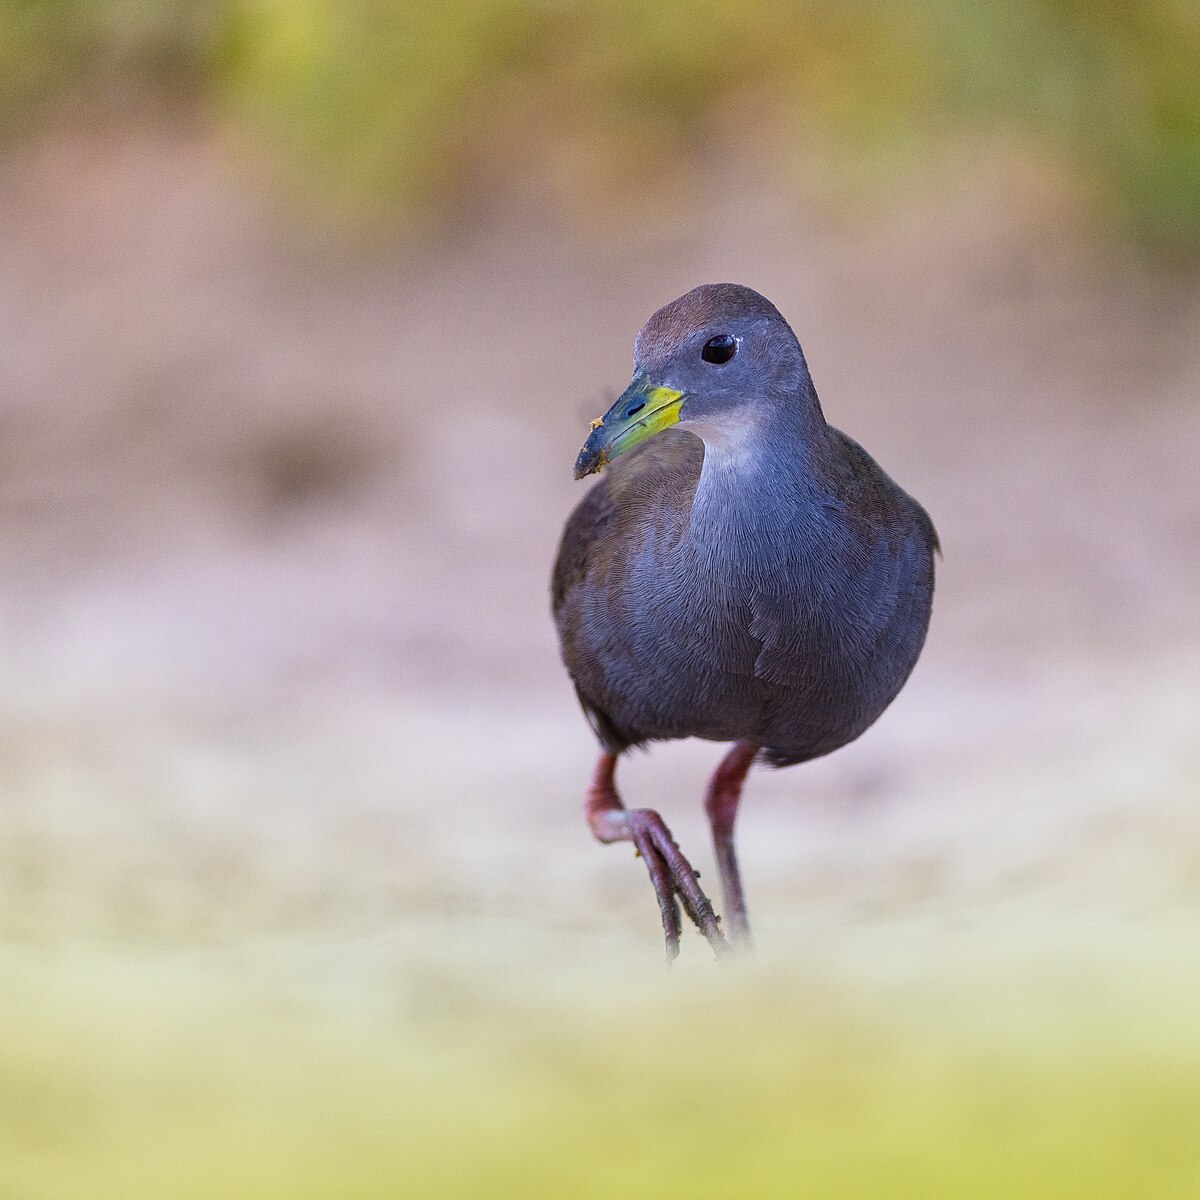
(304, 308)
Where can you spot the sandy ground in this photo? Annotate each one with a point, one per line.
(278, 515)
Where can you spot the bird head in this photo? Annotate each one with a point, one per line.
(714, 361)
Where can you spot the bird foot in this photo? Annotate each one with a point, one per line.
(675, 882)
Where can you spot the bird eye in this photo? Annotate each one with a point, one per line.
(719, 349)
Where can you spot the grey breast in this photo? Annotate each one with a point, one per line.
(793, 626)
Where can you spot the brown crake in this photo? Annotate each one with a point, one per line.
(742, 572)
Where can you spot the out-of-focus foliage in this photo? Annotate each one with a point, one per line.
(49, 48)
(395, 103)
(135, 1080)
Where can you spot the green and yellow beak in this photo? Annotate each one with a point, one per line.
(641, 411)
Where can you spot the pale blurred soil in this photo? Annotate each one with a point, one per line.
(276, 521)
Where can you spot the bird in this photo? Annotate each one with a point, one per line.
(742, 572)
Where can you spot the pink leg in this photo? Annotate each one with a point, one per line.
(721, 804)
(671, 874)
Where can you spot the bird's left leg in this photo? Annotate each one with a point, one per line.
(670, 873)
(721, 804)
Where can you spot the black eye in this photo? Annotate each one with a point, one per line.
(719, 349)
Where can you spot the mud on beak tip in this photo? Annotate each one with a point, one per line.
(594, 455)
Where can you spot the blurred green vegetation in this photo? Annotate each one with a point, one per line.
(398, 104)
(126, 1077)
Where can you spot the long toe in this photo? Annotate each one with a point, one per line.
(664, 888)
(672, 875)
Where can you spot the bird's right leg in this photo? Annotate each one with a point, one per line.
(670, 873)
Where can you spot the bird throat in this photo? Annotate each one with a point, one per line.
(754, 489)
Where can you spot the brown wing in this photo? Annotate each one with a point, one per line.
(638, 488)
(649, 486)
(868, 492)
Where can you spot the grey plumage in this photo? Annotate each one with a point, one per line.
(760, 578)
